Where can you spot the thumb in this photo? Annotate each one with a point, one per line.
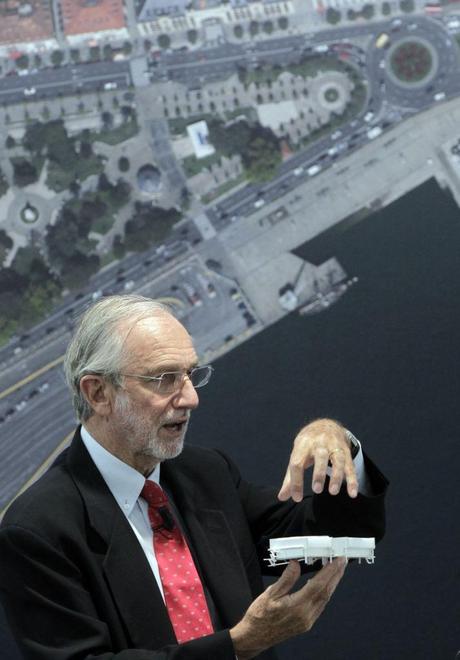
(286, 581)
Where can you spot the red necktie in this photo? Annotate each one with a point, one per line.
(182, 588)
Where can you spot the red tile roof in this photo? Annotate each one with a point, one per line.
(24, 21)
(89, 16)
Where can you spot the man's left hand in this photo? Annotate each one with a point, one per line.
(317, 444)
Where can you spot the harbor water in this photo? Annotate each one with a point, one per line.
(385, 360)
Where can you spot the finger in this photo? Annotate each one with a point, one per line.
(337, 458)
(321, 457)
(296, 472)
(324, 582)
(285, 490)
(286, 581)
(351, 478)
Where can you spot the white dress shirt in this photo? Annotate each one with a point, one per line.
(125, 484)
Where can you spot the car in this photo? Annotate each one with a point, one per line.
(110, 85)
(298, 171)
(259, 203)
(313, 169)
(30, 91)
(440, 96)
(369, 116)
(336, 135)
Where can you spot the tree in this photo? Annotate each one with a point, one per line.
(368, 11)
(149, 225)
(10, 142)
(121, 192)
(107, 52)
(123, 164)
(78, 269)
(407, 6)
(6, 244)
(86, 149)
(75, 55)
(103, 183)
(57, 57)
(333, 16)
(3, 184)
(75, 187)
(22, 62)
(192, 36)
(127, 112)
(107, 120)
(351, 14)
(229, 141)
(253, 28)
(238, 31)
(24, 172)
(262, 155)
(127, 48)
(386, 8)
(267, 27)
(94, 53)
(283, 23)
(164, 41)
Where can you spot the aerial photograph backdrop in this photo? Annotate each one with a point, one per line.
(285, 176)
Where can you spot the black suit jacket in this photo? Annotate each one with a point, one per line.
(75, 582)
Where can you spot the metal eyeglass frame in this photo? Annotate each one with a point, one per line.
(178, 383)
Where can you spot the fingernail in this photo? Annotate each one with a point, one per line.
(334, 489)
(317, 487)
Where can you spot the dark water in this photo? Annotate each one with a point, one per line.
(385, 360)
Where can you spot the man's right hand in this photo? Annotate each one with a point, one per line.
(277, 615)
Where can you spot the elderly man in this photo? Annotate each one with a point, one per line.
(132, 547)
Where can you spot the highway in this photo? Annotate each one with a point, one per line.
(64, 81)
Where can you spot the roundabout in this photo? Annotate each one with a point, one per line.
(412, 62)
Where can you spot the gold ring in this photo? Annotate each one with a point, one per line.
(335, 450)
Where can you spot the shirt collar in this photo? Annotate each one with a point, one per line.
(124, 482)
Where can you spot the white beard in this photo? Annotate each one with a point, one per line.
(142, 436)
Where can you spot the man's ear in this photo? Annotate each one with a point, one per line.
(98, 393)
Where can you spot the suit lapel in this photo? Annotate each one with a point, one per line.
(214, 545)
(127, 572)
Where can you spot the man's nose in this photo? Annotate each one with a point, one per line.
(187, 396)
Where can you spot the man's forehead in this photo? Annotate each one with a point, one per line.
(154, 336)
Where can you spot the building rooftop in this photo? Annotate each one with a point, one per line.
(22, 22)
(152, 9)
(90, 16)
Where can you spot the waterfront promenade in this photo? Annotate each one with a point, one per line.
(259, 247)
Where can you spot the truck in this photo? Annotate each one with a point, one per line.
(313, 169)
(374, 132)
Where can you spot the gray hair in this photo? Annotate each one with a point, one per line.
(97, 345)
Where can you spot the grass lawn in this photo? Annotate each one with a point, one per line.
(193, 165)
(224, 188)
(117, 135)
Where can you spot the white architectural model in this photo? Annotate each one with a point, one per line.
(311, 548)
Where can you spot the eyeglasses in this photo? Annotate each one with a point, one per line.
(171, 381)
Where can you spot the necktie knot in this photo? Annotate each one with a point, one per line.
(153, 494)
